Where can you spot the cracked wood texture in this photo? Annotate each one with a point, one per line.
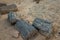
(27, 31)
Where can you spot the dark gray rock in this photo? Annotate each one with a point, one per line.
(43, 26)
(8, 8)
(12, 18)
(27, 31)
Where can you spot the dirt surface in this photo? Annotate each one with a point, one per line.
(29, 10)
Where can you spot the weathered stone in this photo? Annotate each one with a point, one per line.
(27, 31)
(12, 18)
(37, 1)
(43, 26)
(8, 8)
(3, 4)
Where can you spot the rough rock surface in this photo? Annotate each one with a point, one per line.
(43, 26)
(27, 31)
(12, 17)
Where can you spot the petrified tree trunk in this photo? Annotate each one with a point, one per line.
(27, 31)
(12, 18)
(8, 8)
(3, 4)
(43, 26)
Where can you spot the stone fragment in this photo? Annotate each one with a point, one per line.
(27, 31)
(2, 4)
(12, 18)
(8, 8)
(43, 26)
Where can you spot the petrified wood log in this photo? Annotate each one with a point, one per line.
(12, 18)
(43, 26)
(27, 31)
(8, 8)
(3, 4)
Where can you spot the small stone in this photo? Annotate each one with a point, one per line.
(37, 1)
(59, 32)
(12, 18)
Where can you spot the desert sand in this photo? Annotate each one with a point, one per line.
(29, 10)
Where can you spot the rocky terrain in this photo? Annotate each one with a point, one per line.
(29, 10)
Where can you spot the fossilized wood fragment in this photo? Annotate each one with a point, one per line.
(8, 8)
(43, 26)
(27, 31)
(2, 4)
(12, 18)
(37, 1)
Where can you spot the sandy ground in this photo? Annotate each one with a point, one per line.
(28, 10)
